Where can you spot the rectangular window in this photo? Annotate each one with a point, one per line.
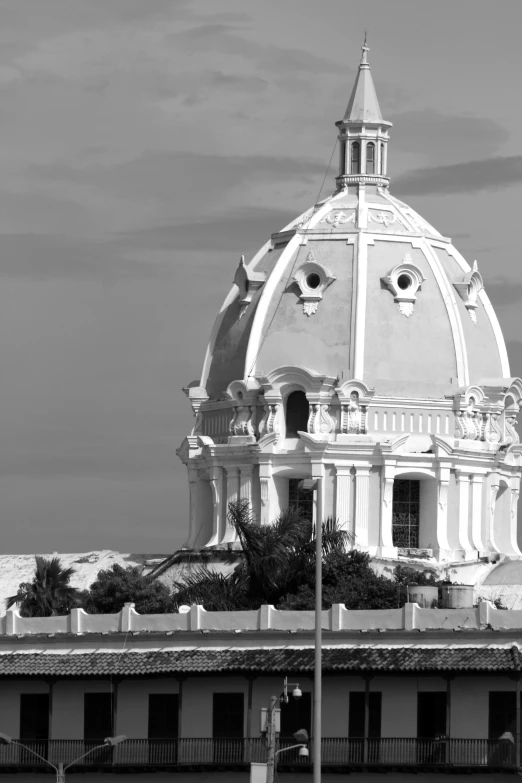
(34, 716)
(228, 715)
(356, 714)
(295, 715)
(406, 513)
(97, 716)
(163, 715)
(431, 714)
(370, 158)
(301, 499)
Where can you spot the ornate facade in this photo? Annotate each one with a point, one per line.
(358, 351)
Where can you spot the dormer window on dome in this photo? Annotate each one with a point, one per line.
(468, 288)
(312, 279)
(404, 282)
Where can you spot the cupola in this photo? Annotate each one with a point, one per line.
(363, 134)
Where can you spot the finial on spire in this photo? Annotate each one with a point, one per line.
(365, 50)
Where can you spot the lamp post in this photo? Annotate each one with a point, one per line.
(5, 739)
(318, 684)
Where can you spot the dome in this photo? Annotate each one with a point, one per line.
(357, 370)
(395, 304)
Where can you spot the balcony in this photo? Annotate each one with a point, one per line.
(338, 754)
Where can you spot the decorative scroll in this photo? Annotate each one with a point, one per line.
(468, 422)
(386, 218)
(339, 217)
(320, 422)
(491, 431)
(270, 421)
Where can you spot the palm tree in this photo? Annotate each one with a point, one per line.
(49, 593)
(276, 560)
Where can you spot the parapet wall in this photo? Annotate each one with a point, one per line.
(338, 618)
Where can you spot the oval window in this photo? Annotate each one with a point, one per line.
(404, 282)
(313, 280)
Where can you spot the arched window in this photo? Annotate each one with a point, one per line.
(342, 158)
(356, 158)
(297, 412)
(382, 159)
(406, 513)
(370, 158)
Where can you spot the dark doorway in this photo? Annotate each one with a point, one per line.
(301, 499)
(163, 728)
(356, 725)
(34, 724)
(295, 715)
(431, 727)
(98, 724)
(228, 715)
(406, 513)
(297, 414)
(502, 727)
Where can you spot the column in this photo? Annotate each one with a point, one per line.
(245, 484)
(463, 484)
(492, 542)
(193, 483)
(216, 486)
(265, 478)
(343, 480)
(232, 497)
(477, 487)
(442, 508)
(362, 505)
(514, 491)
(388, 479)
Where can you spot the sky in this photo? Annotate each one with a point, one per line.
(146, 144)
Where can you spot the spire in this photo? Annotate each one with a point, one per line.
(363, 105)
(363, 134)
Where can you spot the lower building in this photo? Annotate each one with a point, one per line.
(430, 691)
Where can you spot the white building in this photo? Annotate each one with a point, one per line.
(359, 350)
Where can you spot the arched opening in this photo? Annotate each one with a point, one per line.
(297, 413)
(355, 166)
(382, 159)
(406, 513)
(370, 158)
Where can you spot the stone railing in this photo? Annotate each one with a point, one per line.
(266, 618)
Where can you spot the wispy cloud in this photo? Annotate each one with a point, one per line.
(446, 138)
(470, 177)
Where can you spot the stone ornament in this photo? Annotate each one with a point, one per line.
(354, 397)
(386, 219)
(339, 217)
(248, 283)
(468, 288)
(312, 279)
(404, 281)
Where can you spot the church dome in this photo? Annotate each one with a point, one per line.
(357, 370)
(361, 286)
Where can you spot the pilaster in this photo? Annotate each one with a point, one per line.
(514, 491)
(193, 490)
(343, 481)
(265, 479)
(463, 484)
(477, 489)
(492, 538)
(216, 486)
(362, 505)
(245, 484)
(387, 549)
(443, 542)
(230, 535)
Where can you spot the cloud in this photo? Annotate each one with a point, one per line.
(504, 292)
(46, 256)
(470, 177)
(446, 137)
(188, 181)
(244, 229)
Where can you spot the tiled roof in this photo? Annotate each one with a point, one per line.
(357, 658)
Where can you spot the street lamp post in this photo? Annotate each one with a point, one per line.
(5, 739)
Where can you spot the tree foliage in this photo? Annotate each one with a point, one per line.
(49, 593)
(116, 586)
